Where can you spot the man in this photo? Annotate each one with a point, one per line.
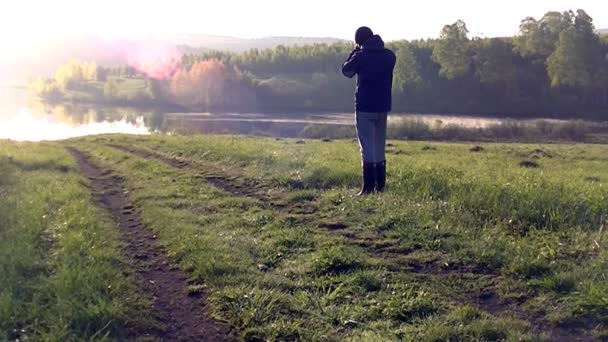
(373, 64)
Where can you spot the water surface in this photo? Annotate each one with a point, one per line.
(24, 119)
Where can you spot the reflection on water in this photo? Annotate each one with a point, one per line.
(23, 119)
(25, 126)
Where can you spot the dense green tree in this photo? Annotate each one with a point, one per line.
(452, 52)
(408, 71)
(569, 64)
(538, 38)
(577, 57)
(494, 61)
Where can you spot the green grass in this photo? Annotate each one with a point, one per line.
(305, 261)
(63, 277)
(454, 225)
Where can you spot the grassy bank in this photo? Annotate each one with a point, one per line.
(488, 243)
(62, 275)
(532, 131)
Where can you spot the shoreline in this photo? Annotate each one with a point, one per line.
(173, 109)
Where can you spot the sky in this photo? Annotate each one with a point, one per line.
(27, 22)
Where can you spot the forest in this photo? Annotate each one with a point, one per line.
(556, 67)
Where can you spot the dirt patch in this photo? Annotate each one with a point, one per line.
(535, 154)
(476, 149)
(395, 152)
(491, 302)
(529, 164)
(538, 153)
(184, 317)
(333, 226)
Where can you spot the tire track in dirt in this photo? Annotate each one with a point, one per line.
(184, 317)
(235, 184)
(227, 183)
(248, 188)
(489, 300)
(492, 303)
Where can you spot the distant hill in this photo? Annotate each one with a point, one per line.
(224, 43)
(603, 31)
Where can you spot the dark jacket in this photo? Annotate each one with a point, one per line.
(373, 64)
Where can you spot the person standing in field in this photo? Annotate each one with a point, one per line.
(373, 64)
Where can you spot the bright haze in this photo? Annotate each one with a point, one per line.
(33, 30)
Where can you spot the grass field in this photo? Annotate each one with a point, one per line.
(63, 277)
(492, 243)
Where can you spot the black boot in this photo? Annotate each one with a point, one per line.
(380, 170)
(369, 179)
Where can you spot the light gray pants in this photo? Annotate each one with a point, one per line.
(371, 130)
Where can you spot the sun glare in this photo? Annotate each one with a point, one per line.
(28, 127)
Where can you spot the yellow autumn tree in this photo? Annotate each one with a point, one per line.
(76, 71)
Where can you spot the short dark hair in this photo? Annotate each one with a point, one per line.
(363, 34)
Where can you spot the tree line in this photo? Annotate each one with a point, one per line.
(557, 66)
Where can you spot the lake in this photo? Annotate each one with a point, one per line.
(23, 119)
